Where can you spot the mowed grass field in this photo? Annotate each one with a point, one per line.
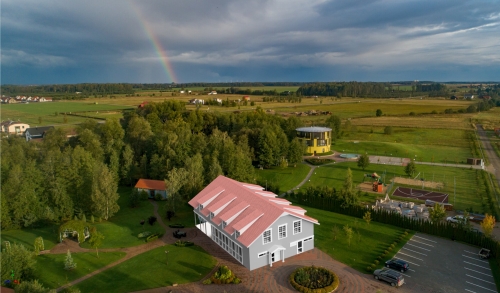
(368, 241)
(122, 229)
(152, 269)
(49, 269)
(428, 145)
(30, 113)
(286, 178)
(462, 181)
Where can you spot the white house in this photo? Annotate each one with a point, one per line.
(212, 93)
(251, 224)
(10, 126)
(468, 97)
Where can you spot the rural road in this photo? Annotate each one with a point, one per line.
(490, 152)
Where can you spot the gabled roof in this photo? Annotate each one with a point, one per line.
(243, 207)
(38, 131)
(150, 184)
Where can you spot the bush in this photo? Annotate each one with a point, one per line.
(151, 220)
(316, 162)
(376, 262)
(386, 252)
(158, 197)
(369, 268)
(224, 275)
(144, 234)
(143, 195)
(313, 279)
(153, 237)
(388, 130)
(207, 281)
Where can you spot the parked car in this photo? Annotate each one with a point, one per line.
(392, 277)
(398, 265)
(458, 219)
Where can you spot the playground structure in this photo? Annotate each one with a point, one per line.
(378, 181)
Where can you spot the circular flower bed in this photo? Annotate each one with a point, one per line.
(314, 280)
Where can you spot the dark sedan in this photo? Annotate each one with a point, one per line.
(398, 265)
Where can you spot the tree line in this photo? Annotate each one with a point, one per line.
(56, 178)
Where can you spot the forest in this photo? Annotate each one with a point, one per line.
(56, 178)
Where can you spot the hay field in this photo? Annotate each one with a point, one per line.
(452, 121)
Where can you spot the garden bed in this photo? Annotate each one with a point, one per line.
(314, 280)
(317, 162)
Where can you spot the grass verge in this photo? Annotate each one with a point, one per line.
(50, 267)
(150, 270)
(368, 241)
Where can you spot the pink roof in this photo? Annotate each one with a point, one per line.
(253, 209)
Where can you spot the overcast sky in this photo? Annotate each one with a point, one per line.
(61, 41)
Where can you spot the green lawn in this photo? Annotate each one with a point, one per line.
(27, 236)
(183, 215)
(365, 246)
(286, 178)
(50, 267)
(462, 181)
(122, 229)
(150, 270)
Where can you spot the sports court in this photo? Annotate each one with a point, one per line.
(421, 194)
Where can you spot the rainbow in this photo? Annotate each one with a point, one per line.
(160, 51)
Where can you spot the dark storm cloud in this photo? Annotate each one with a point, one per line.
(100, 41)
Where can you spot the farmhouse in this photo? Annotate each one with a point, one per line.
(10, 126)
(36, 132)
(152, 187)
(197, 101)
(251, 224)
(317, 139)
(468, 97)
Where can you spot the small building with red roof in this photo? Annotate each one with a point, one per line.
(251, 224)
(152, 187)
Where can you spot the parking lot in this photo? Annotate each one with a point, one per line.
(441, 265)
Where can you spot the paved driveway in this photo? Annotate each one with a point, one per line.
(441, 265)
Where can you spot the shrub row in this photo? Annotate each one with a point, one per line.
(382, 256)
(330, 288)
(316, 162)
(181, 243)
(442, 229)
(153, 237)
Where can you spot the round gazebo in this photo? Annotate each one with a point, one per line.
(317, 139)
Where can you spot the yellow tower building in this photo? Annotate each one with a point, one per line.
(317, 139)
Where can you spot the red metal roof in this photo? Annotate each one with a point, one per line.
(150, 184)
(253, 209)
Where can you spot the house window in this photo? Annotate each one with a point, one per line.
(201, 206)
(262, 254)
(237, 234)
(281, 232)
(297, 227)
(223, 224)
(266, 237)
(211, 215)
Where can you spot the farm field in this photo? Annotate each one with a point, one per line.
(368, 241)
(490, 119)
(468, 193)
(150, 270)
(49, 269)
(122, 229)
(30, 113)
(446, 121)
(286, 178)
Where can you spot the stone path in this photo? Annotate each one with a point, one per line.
(167, 238)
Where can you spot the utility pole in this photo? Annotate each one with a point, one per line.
(454, 190)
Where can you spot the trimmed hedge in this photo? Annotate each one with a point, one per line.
(181, 243)
(441, 229)
(144, 234)
(330, 288)
(153, 237)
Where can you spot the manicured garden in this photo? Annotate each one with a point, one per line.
(286, 178)
(50, 267)
(153, 269)
(367, 243)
